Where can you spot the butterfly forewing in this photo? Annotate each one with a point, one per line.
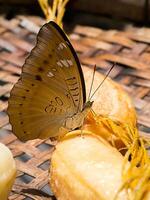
(51, 87)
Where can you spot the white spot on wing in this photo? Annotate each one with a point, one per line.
(70, 62)
(62, 46)
(59, 64)
(65, 63)
(50, 74)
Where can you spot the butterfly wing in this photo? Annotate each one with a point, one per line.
(51, 87)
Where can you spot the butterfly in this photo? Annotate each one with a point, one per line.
(50, 93)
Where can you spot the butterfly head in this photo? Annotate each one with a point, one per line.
(88, 105)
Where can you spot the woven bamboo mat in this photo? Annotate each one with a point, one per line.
(130, 49)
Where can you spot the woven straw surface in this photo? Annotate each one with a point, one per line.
(130, 49)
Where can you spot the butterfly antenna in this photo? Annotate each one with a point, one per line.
(92, 82)
(103, 80)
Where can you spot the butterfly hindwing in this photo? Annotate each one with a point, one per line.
(51, 87)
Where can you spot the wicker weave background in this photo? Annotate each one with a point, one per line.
(129, 48)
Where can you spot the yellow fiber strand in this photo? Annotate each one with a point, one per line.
(138, 181)
(125, 132)
(45, 7)
(136, 167)
(54, 12)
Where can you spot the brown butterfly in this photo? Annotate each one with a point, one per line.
(50, 93)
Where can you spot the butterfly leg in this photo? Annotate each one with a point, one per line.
(82, 134)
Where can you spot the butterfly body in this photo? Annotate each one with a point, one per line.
(77, 120)
(50, 93)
